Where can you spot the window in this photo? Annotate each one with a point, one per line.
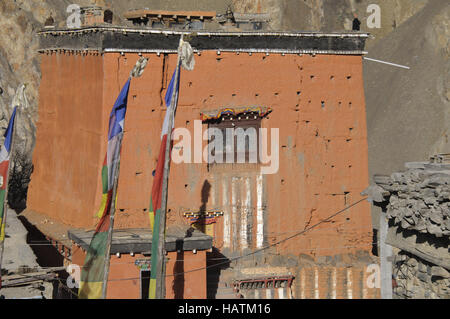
(108, 16)
(233, 139)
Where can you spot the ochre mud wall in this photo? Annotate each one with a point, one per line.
(318, 106)
(124, 280)
(332, 282)
(70, 126)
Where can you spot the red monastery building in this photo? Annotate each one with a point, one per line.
(309, 86)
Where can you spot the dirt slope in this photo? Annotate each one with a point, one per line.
(408, 110)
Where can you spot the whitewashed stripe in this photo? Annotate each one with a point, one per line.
(259, 213)
(365, 292)
(349, 284)
(226, 217)
(234, 211)
(281, 293)
(316, 283)
(334, 283)
(244, 214)
(302, 284)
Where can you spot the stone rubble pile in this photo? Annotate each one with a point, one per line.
(418, 279)
(419, 198)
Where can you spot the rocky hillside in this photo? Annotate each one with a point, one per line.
(19, 61)
(333, 15)
(408, 111)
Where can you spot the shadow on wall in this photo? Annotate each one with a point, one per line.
(206, 190)
(178, 269)
(216, 262)
(20, 176)
(47, 257)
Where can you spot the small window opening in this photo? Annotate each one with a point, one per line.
(239, 142)
(108, 16)
(356, 24)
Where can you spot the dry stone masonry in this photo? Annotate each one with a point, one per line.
(418, 279)
(416, 203)
(420, 198)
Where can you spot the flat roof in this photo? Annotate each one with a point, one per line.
(139, 241)
(124, 240)
(147, 40)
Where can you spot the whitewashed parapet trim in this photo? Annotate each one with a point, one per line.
(238, 51)
(202, 33)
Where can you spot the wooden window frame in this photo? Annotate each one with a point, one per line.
(243, 121)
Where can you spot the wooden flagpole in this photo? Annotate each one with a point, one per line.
(161, 268)
(5, 201)
(112, 214)
(135, 73)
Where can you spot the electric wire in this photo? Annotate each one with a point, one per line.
(233, 259)
(259, 250)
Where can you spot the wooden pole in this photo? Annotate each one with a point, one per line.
(161, 269)
(5, 202)
(112, 213)
(385, 255)
(136, 72)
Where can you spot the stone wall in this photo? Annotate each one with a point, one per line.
(415, 278)
(420, 198)
(416, 203)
